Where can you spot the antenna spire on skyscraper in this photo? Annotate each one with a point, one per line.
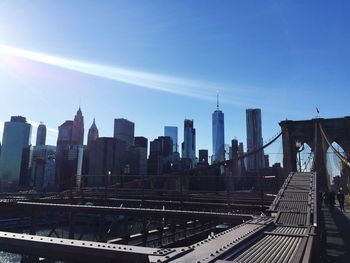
(217, 100)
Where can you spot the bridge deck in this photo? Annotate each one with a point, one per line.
(294, 225)
(285, 236)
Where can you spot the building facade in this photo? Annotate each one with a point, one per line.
(203, 157)
(16, 141)
(107, 157)
(93, 133)
(138, 156)
(171, 131)
(41, 135)
(69, 152)
(159, 161)
(124, 130)
(78, 129)
(218, 135)
(254, 139)
(189, 144)
(43, 167)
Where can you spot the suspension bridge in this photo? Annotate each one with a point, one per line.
(169, 218)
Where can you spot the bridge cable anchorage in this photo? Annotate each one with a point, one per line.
(336, 152)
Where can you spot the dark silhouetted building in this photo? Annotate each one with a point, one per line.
(69, 152)
(124, 130)
(267, 160)
(16, 141)
(189, 144)
(43, 167)
(78, 129)
(159, 160)
(93, 133)
(141, 142)
(254, 139)
(171, 131)
(203, 157)
(41, 135)
(138, 156)
(107, 157)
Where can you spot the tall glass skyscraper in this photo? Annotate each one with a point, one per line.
(218, 135)
(254, 139)
(16, 139)
(171, 131)
(189, 144)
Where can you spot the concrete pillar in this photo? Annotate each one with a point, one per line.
(320, 149)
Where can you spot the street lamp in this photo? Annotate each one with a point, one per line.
(300, 147)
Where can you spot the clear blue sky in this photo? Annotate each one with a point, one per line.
(285, 57)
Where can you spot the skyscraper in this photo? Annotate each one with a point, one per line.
(124, 130)
(69, 151)
(107, 156)
(78, 129)
(218, 135)
(138, 156)
(159, 160)
(189, 144)
(254, 139)
(93, 133)
(171, 131)
(203, 157)
(41, 135)
(16, 140)
(43, 167)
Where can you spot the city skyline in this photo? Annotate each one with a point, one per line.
(257, 56)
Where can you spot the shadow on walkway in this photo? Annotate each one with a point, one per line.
(336, 244)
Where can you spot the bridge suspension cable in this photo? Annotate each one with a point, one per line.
(336, 152)
(273, 139)
(240, 157)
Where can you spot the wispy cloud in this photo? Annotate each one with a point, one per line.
(175, 85)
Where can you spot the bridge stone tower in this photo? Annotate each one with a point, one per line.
(309, 132)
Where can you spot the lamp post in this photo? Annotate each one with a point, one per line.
(300, 147)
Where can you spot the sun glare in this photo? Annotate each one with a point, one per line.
(138, 78)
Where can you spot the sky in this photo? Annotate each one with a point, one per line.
(159, 62)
